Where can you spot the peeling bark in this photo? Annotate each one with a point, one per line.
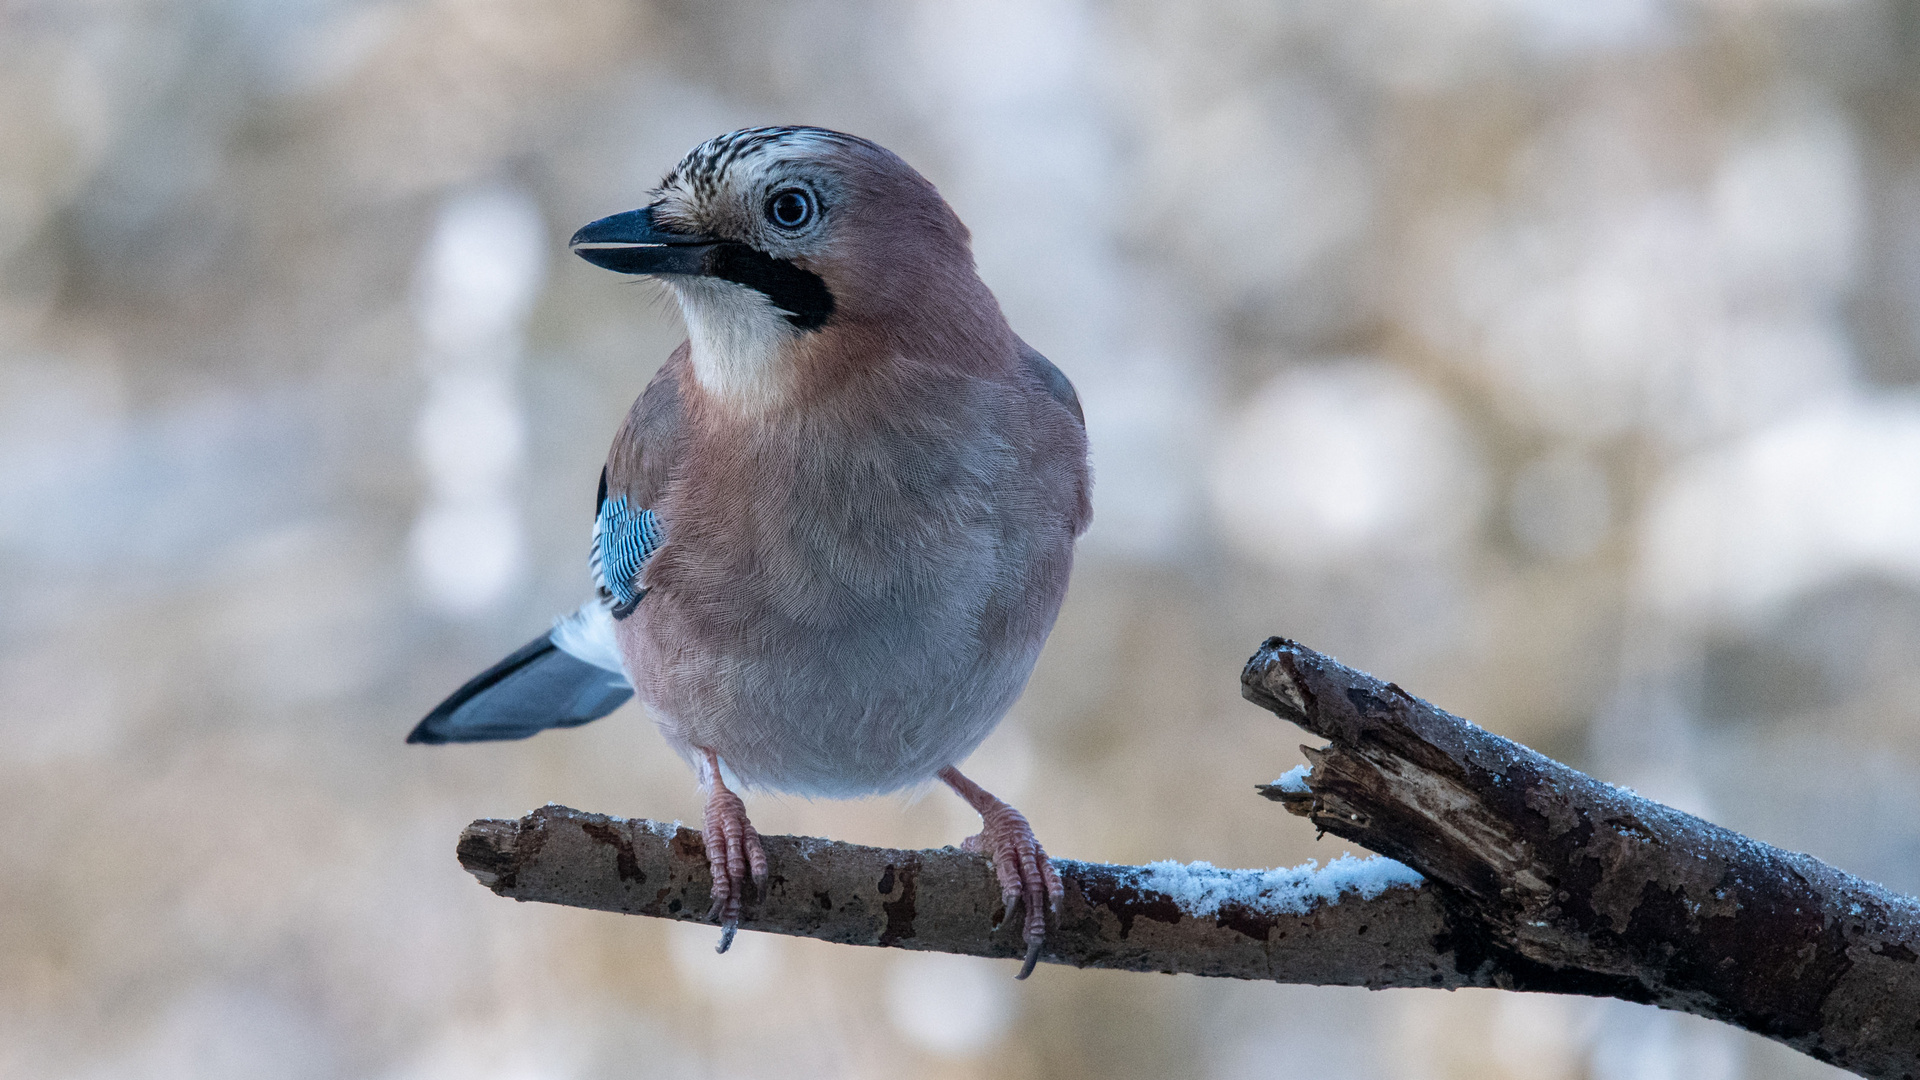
(1539, 878)
(1571, 885)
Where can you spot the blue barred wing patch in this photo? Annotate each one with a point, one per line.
(623, 540)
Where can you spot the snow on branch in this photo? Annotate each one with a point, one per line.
(1514, 872)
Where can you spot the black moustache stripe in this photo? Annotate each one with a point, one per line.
(800, 293)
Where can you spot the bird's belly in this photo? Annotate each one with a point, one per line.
(880, 697)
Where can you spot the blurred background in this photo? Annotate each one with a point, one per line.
(1559, 360)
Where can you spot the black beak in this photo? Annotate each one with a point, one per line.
(631, 243)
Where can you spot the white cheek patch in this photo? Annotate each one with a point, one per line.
(737, 338)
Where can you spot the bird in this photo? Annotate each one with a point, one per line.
(837, 526)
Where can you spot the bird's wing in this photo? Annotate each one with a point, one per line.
(624, 538)
(1068, 453)
(573, 674)
(1056, 382)
(626, 529)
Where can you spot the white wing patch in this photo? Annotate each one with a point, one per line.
(587, 636)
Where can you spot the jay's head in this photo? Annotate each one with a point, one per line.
(778, 240)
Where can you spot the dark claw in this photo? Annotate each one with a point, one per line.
(1033, 957)
(1009, 905)
(727, 931)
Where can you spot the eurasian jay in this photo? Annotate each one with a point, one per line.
(834, 531)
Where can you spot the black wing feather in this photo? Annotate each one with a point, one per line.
(537, 688)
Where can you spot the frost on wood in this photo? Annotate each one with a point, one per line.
(1293, 781)
(1202, 889)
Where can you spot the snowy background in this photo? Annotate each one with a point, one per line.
(1557, 359)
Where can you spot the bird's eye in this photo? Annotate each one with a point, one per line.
(790, 209)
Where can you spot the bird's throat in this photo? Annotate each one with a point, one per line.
(737, 340)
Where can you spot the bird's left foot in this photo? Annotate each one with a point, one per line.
(1027, 879)
(733, 853)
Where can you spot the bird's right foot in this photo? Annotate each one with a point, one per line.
(1028, 882)
(734, 853)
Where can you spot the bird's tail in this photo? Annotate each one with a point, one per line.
(563, 678)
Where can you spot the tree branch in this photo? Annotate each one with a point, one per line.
(946, 900)
(1579, 887)
(1538, 878)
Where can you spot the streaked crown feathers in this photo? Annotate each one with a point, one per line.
(702, 172)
